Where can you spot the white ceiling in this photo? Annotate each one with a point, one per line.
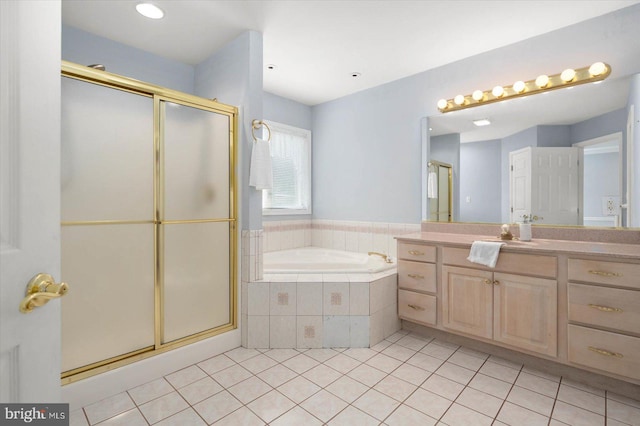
(317, 45)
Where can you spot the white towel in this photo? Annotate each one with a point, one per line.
(485, 253)
(260, 173)
(432, 185)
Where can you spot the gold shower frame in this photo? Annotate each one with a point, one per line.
(158, 94)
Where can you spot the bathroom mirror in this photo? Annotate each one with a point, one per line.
(591, 116)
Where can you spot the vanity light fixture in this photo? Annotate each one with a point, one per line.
(150, 10)
(568, 78)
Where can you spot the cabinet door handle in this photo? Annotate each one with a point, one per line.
(487, 281)
(416, 307)
(605, 274)
(604, 308)
(496, 282)
(416, 252)
(416, 276)
(605, 352)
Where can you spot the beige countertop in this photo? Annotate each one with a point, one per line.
(627, 251)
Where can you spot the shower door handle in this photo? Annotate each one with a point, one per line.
(40, 290)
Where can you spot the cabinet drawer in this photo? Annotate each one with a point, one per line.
(603, 272)
(417, 252)
(605, 351)
(417, 307)
(529, 264)
(417, 276)
(606, 307)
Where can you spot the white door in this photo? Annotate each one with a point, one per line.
(555, 185)
(29, 197)
(520, 183)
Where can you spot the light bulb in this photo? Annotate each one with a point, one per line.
(597, 69)
(542, 81)
(442, 104)
(458, 100)
(518, 86)
(497, 91)
(478, 95)
(568, 75)
(150, 10)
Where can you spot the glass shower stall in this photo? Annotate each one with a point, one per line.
(148, 194)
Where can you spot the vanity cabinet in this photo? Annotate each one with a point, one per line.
(516, 310)
(571, 302)
(417, 283)
(604, 316)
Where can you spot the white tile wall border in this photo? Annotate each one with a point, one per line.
(359, 237)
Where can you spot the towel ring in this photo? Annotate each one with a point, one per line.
(256, 124)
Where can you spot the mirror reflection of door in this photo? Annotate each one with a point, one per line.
(602, 194)
(439, 191)
(545, 182)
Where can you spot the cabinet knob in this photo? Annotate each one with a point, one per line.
(487, 281)
(416, 252)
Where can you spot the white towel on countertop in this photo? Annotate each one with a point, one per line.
(260, 173)
(485, 253)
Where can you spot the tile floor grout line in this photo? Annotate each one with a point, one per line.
(398, 398)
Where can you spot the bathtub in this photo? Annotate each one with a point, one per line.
(317, 298)
(315, 260)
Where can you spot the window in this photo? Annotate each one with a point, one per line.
(291, 163)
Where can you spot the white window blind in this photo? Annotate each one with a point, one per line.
(291, 163)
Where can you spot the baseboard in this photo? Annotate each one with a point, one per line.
(96, 388)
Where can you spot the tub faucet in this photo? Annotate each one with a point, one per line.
(382, 255)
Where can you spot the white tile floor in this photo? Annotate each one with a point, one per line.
(405, 380)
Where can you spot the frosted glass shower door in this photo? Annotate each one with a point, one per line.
(107, 218)
(196, 212)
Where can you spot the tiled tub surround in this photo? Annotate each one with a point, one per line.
(252, 249)
(352, 236)
(319, 311)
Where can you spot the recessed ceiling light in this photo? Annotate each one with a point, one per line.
(355, 74)
(271, 67)
(150, 10)
(482, 122)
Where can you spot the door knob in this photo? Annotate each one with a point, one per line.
(40, 290)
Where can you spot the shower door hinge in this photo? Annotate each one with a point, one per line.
(511, 209)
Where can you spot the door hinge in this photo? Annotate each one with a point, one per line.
(511, 209)
(511, 167)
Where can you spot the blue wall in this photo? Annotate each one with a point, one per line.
(286, 111)
(481, 180)
(634, 99)
(601, 179)
(367, 146)
(234, 76)
(85, 48)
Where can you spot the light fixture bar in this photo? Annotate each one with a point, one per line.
(568, 78)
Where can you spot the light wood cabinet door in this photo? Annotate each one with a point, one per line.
(525, 313)
(467, 301)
